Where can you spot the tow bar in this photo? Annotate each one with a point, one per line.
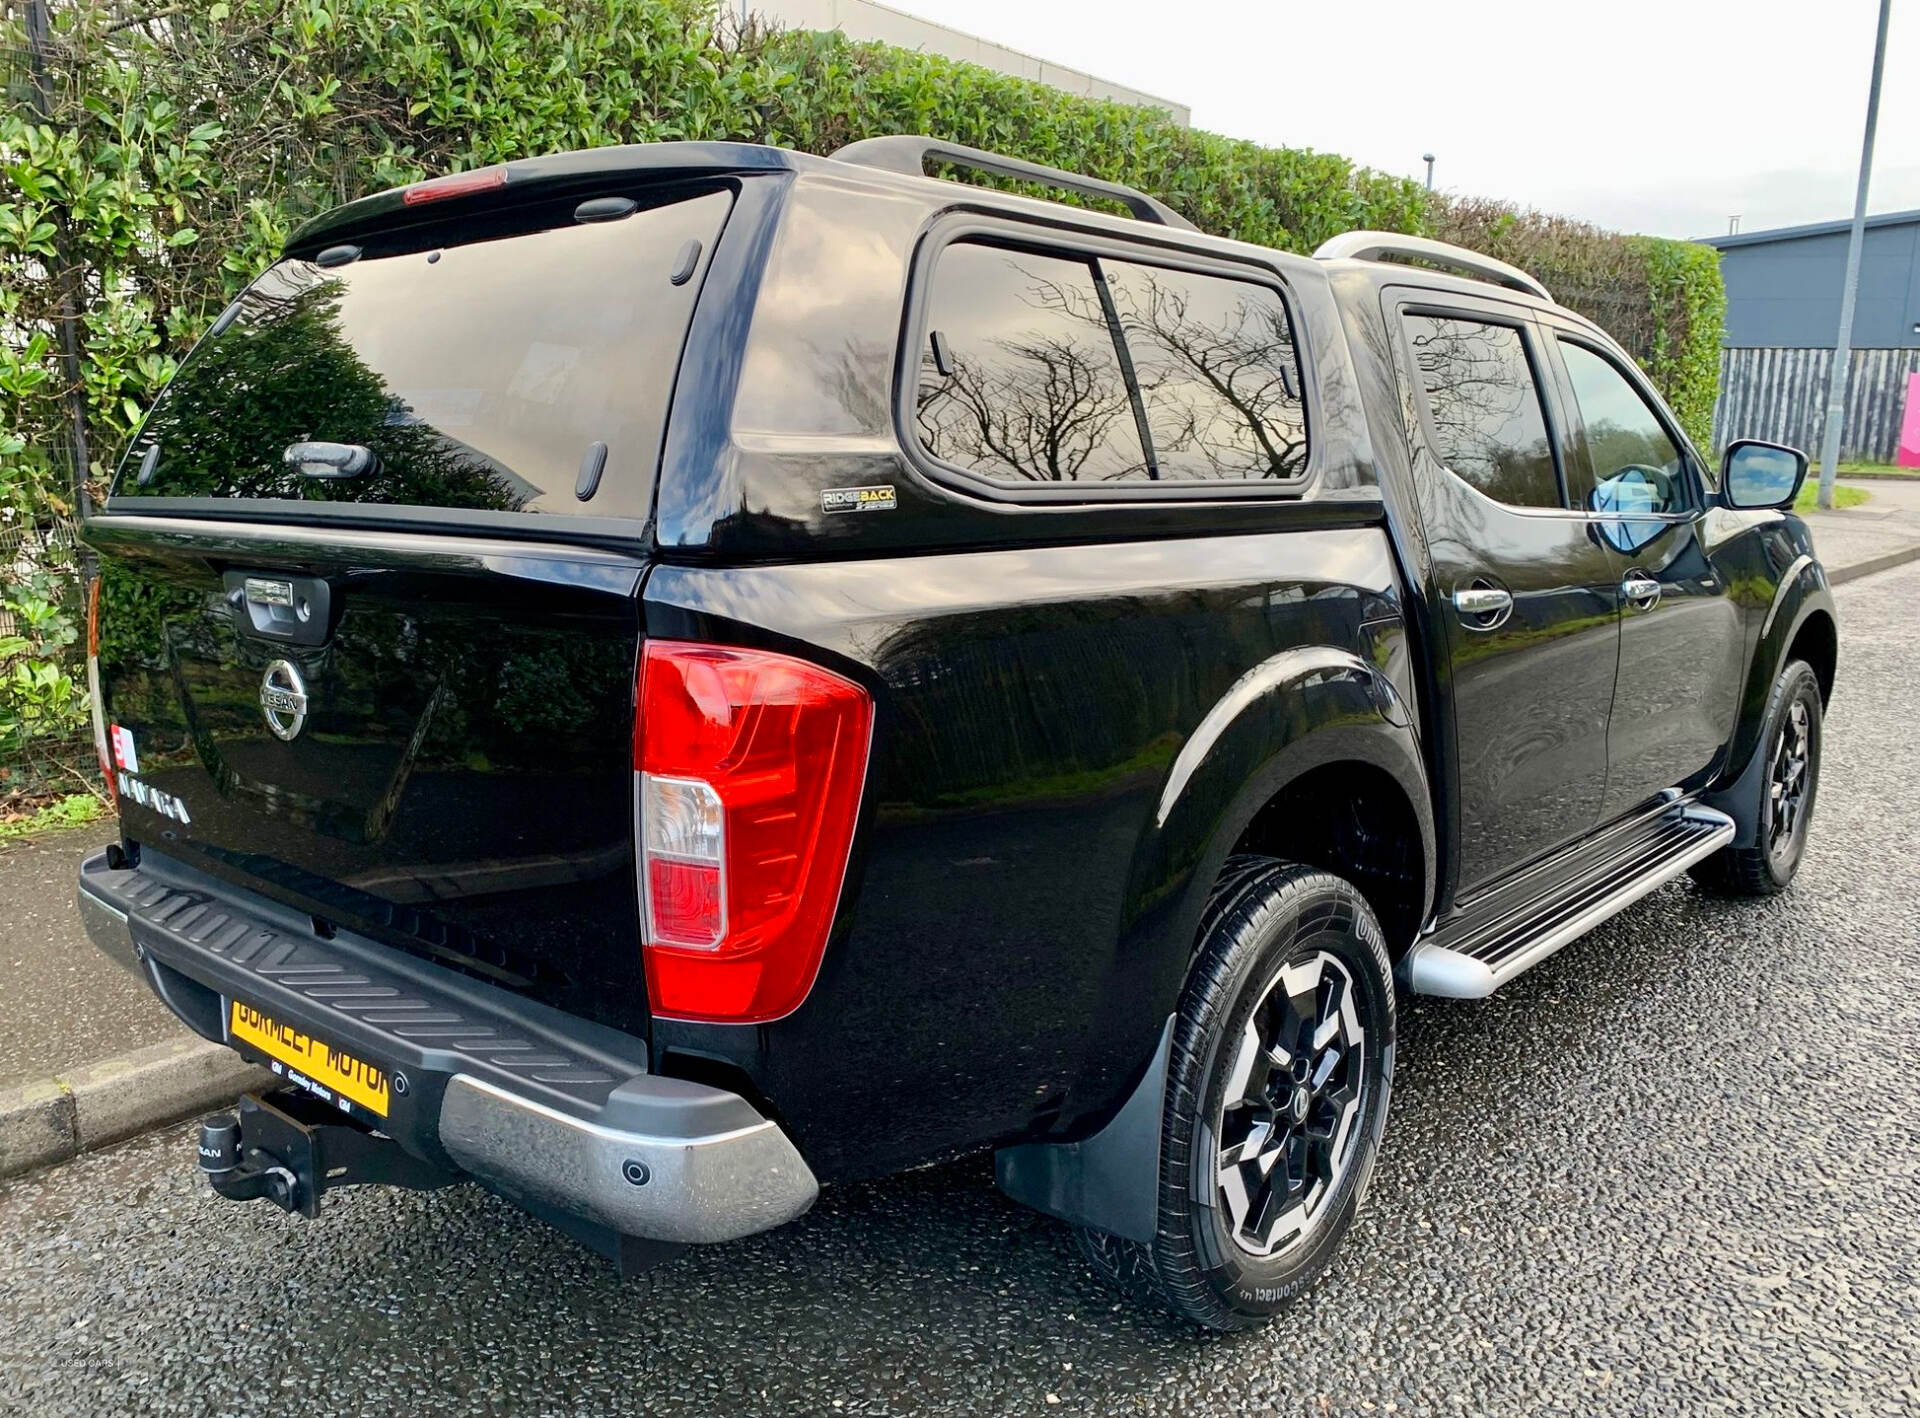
(290, 1148)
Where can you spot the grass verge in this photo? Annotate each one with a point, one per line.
(1843, 497)
(72, 810)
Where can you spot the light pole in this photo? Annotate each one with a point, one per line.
(1427, 158)
(1843, 347)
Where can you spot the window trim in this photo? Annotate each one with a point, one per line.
(1067, 242)
(1562, 332)
(1519, 319)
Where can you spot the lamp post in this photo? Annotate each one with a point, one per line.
(1843, 347)
(1427, 158)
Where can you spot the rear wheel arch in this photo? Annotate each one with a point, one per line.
(1316, 725)
(1335, 725)
(1317, 744)
(1355, 819)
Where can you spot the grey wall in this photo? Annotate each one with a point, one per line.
(867, 20)
(1786, 293)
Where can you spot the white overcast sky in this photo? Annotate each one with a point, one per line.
(1662, 116)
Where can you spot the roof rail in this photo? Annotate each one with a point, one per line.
(909, 153)
(1372, 245)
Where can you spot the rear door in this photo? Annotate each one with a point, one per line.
(402, 700)
(1530, 596)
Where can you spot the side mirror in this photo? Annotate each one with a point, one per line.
(1754, 475)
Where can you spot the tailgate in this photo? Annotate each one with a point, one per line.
(440, 758)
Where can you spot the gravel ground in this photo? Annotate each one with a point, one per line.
(1674, 1169)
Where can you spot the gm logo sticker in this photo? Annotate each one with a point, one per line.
(858, 499)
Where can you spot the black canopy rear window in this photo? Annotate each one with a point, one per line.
(478, 373)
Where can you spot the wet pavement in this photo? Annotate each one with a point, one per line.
(1675, 1169)
(1886, 524)
(62, 1003)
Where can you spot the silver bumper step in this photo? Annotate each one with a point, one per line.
(547, 1108)
(1487, 943)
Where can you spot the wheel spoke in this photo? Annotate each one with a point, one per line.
(1240, 1078)
(1249, 1146)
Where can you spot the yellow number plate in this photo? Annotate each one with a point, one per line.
(315, 1061)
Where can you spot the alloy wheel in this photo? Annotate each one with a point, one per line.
(1788, 779)
(1288, 1119)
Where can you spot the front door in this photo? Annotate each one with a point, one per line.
(1682, 652)
(1528, 596)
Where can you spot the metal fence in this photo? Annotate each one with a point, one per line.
(1781, 394)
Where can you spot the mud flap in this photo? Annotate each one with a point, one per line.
(1110, 1181)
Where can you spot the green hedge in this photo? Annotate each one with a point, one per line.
(183, 149)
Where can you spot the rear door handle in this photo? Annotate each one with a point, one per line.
(1482, 601)
(1642, 591)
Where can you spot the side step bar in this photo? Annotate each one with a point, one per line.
(1481, 948)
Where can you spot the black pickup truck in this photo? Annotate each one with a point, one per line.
(656, 678)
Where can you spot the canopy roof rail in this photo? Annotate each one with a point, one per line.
(1373, 245)
(910, 153)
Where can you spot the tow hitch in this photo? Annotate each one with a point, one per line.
(290, 1148)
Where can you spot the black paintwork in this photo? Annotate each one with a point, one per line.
(1080, 706)
(461, 788)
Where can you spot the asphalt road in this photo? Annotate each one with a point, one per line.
(62, 1003)
(1674, 1170)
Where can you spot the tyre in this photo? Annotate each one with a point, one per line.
(1278, 1081)
(1783, 809)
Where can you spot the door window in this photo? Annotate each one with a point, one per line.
(1484, 406)
(1020, 378)
(1636, 467)
(1623, 434)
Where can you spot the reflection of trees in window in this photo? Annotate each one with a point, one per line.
(1033, 386)
(1621, 430)
(283, 372)
(1485, 408)
(1039, 399)
(1217, 370)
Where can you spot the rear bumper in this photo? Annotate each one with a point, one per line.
(550, 1110)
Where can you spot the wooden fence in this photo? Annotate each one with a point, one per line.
(1781, 394)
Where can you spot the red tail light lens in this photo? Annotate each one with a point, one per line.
(101, 748)
(455, 184)
(751, 767)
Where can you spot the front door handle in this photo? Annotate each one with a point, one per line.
(1641, 591)
(1482, 601)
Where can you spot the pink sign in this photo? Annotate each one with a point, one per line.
(1909, 454)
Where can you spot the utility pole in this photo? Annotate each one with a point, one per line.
(1843, 347)
(1427, 158)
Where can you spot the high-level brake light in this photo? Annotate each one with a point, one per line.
(454, 184)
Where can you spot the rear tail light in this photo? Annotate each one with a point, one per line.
(99, 710)
(455, 184)
(750, 768)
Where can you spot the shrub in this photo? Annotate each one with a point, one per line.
(182, 149)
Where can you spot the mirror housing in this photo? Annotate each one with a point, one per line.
(1755, 474)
